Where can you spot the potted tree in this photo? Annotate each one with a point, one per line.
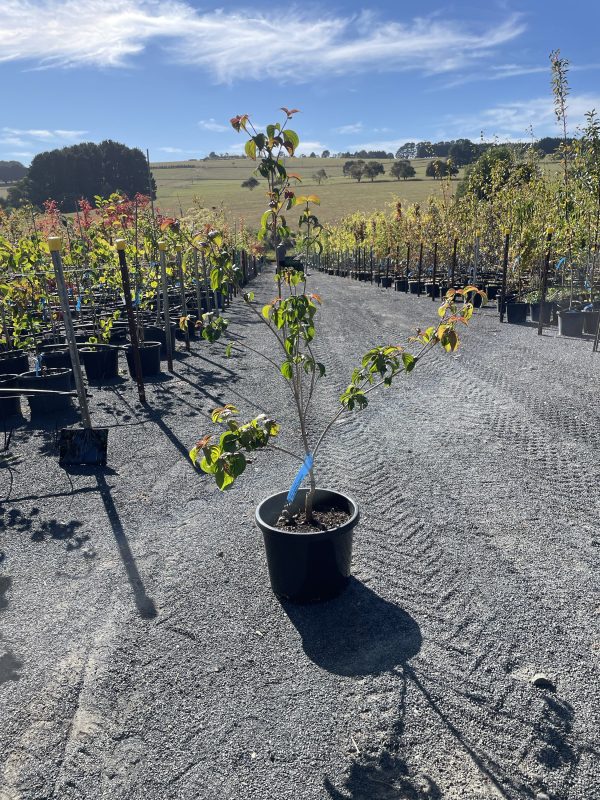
(307, 531)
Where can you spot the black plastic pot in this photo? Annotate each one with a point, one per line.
(306, 567)
(516, 313)
(50, 379)
(386, 282)
(547, 312)
(401, 285)
(152, 333)
(10, 405)
(101, 362)
(492, 291)
(590, 322)
(149, 356)
(570, 323)
(413, 287)
(56, 356)
(13, 362)
(433, 290)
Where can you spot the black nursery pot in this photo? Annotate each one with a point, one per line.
(547, 312)
(386, 282)
(307, 567)
(415, 287)
(101, 362)
(516, 313)
(50, 380)
(401, 285)
(13, 362)
(149, 356)
(56, 356)
(10, 405)
(590, 321)
(570, 323)
(152, 333)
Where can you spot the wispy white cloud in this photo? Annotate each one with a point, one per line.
(241, 44)
(36, 137)
(514, 120)
(389, 145)
(212, 125)
(497, 72)
(353, 127)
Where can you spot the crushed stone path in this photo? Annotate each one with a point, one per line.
(143, 656)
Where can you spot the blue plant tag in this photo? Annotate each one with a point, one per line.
(38, 364)
(560, 263)
(136, 302)
(78, 304)
(302, 473)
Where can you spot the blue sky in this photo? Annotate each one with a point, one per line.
(169, 75)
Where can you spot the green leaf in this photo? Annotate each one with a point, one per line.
(223, 479)
(409, 362)
(250, 149)
(287, 370)
(228, 350)
(292, 138)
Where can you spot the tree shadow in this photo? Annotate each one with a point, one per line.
(355, 635)
(9, 665)
(144, 604)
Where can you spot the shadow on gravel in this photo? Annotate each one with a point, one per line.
(9, 665)
(357, 633)
(145, 605)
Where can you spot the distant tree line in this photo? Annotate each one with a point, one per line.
(83, 170)
(463, 151)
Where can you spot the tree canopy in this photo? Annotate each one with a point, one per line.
(85, 170)
(11, 171)
(402, 169)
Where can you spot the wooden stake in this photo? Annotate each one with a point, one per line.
(55, 246)
(162, 251)
(549, 233)
(434, 270)
(133, 334)
(504, 272)
(178, 256)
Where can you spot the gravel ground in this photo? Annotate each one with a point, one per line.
(142, 654)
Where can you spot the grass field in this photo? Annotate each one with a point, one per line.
(216, 182)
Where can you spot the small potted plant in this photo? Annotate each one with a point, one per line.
(307, 531)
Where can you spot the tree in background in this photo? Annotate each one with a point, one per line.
(373, 169)
(402, 169)
(85, 170)
(357, 170)
(407, 151)
(346, 169)
(438, 168)
(12, 171)
(462, 152)
(325, 154)
(250, 183)
(319, 176)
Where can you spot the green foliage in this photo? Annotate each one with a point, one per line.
(86, 170)
(226, 459)
(402, 169)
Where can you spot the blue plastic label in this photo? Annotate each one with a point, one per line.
(78, 304)
(302, 473)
